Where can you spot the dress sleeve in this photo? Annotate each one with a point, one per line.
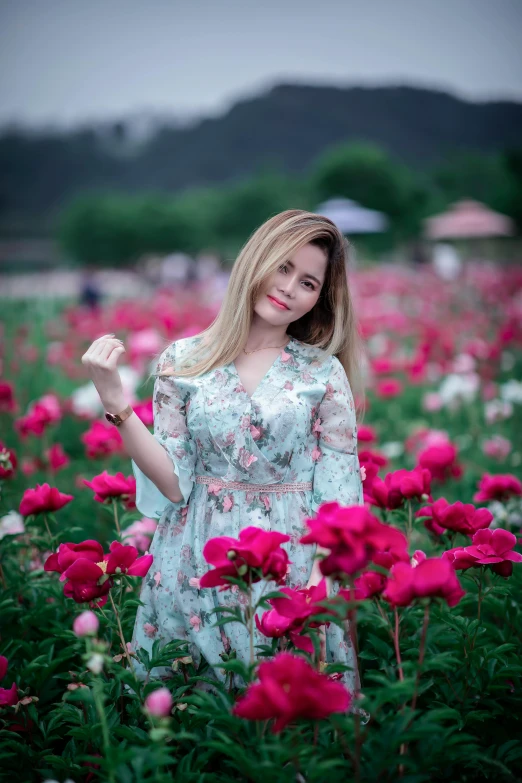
(336, 474)
(169, 402)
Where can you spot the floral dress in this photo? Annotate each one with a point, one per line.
(299, 425)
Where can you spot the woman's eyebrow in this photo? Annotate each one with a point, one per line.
(305, 274)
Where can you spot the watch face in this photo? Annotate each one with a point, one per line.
(110, 418)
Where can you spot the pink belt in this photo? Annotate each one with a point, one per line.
(297, 487)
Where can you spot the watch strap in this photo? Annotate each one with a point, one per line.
(119, 418)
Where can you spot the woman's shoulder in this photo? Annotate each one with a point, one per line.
(313, 354)
(178, 349)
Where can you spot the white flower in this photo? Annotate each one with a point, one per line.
(95, 663)
(392, 449)
(86, 401)
(511, 391)
(459, 388)
(12, 524)
(497, 409)
(464, 363)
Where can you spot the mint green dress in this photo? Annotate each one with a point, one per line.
(299, 425)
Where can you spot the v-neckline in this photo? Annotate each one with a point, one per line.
(265, 376)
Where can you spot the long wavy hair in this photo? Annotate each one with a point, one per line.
(331, 324)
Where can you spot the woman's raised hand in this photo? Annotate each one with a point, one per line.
(101, 359)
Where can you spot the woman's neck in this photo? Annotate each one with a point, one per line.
(263, 335)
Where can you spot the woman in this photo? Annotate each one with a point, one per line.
(254, 424)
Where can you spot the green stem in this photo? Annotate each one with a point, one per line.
(98, 700)
(397, 645)
(120, 631)
(46, 523)
(116, 521)
(422, 649)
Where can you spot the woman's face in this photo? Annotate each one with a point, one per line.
(296, 285)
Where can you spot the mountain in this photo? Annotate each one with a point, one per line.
(286, 127)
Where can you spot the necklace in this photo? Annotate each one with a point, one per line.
(265, 347)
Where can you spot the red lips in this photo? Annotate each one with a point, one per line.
(278, 301)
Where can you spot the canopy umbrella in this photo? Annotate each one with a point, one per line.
(468, 220)
(352, 218)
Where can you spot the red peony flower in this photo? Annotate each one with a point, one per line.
(143, 411)
(89, 573)
(431, 578)
(366, 434)
(389, 387)
(107, 487)
(441, 461)
(459, 517)
(353, 535)
(493, 548)
(56, 457)
(367, 585)
(40, 415)
(290, 688)
(68, 553)
(500, 487)
(255, 555)
(7, 398)
(400, 486)
(274, 625)
(102, 439)
(9, 696)
(43, 499)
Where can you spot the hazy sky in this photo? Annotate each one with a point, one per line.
(64, 61)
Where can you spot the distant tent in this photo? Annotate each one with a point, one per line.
(468, 220)
(352, 218)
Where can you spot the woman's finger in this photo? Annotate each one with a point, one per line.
(112, 361)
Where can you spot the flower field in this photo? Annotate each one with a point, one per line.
(428, 571)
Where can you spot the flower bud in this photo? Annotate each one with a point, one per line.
(159, 703)
(231, 554)
(86, 624)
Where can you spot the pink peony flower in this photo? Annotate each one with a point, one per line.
(102, 439)
(432, 402)
(56, 457)
(159, 703)
(493, 548)
(441, 461)
(497, 447)
(353, 535)
(400, 486)
(140, 532)
(255, 555)
(499, 487)
(290, 688)
(106, 487)
(43, 499)
(458, 517)
(86, 624)
(388, 388)
(431, 578)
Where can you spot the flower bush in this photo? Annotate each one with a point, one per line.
(426, 575)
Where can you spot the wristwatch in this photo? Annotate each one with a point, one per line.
(118, 418)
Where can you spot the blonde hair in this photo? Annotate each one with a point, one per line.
(331, 324)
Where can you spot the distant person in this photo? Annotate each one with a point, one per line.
(90, 291)
(446, 261)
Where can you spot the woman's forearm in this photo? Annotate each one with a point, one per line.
(150, 456)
